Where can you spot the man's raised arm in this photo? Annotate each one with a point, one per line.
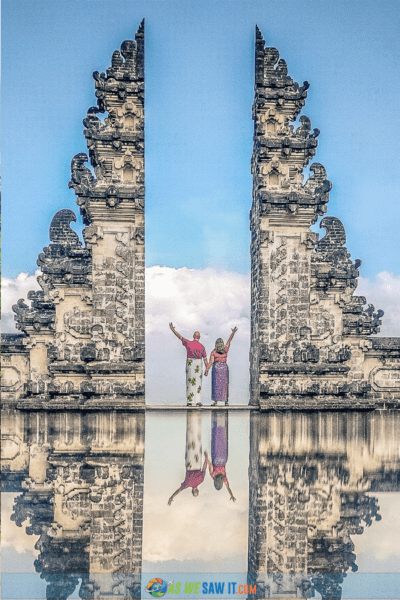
(172, 328)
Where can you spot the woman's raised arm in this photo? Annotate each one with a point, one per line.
(234, 330)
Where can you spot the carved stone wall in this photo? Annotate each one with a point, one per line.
(309, 476)
(310, 344)
(81, 481)
(84, 333)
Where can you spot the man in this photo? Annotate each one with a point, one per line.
(194, 371)
(195, 467)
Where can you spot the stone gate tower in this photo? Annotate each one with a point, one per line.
(310, 344)
(83, 337)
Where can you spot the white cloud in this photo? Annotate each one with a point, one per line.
(379, 545)
(189, 296)
(209, 527)
(13, 536)
(11, 291)
(384, 293)
(179, 531)
(206, 300)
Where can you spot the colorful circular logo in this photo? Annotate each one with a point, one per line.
(157, 587)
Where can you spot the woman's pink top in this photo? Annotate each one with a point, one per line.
(218, 470)
(219, 357)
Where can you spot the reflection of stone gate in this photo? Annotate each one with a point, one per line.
(80, 478)
(310, 339)
(310, 481)
(83, 335)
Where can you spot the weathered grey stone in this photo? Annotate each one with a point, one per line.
(84, 332)
(310, 483)
(310, 343)
(79, 480)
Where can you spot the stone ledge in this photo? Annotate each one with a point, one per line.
(67, 368)
(13, 343)
(136, 366)
(386, 343)
(321, 403)
(312, 369)
(135, 403)
(233, 407)
(385, 347)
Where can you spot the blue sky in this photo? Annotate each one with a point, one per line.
(199, 90)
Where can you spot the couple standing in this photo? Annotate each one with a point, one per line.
(194, 369)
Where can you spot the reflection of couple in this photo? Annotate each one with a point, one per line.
(195, 468)
(194, 368)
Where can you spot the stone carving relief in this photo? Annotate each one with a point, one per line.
(386, 377)
(64, 261)
(40, 317)
(10, 378)
(78, 322)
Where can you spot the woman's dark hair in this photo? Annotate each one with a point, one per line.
(218, 481)
(220, 346)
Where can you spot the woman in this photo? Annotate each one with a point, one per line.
(220, 371)
(219, 450)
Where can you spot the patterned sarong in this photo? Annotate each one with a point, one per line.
(220, 382)
(194, 450)
(194, 380)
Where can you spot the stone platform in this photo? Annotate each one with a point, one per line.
(232, 407)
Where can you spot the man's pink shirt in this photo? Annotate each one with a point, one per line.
(193, 479)
(194, 348)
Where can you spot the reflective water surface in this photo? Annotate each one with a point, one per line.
(249, 505)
